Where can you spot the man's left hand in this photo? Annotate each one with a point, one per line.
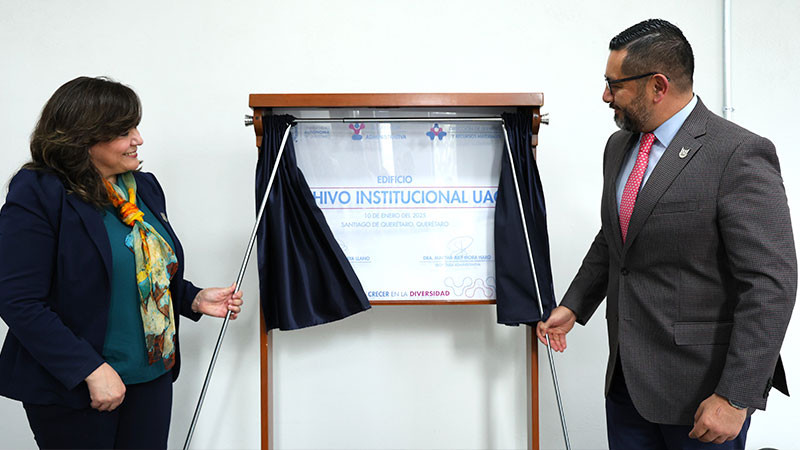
(717, 421)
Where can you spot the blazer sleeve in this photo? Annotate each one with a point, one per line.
(187, 293)
(756, 232)
(28, 246)
(590, 286)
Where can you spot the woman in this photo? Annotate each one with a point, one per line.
(91, 279)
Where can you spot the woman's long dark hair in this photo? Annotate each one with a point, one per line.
(81, 113)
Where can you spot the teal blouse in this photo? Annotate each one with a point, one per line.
(124, 347)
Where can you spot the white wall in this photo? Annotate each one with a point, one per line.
(394, 377)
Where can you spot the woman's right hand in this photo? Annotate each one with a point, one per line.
(106, 388)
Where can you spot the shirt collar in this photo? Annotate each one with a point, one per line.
(666, 132)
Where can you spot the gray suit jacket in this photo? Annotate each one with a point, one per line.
(700, 294)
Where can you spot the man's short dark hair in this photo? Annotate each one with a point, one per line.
(656, 45)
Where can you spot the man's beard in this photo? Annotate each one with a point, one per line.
(633, 117)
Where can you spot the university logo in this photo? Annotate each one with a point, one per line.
(357, 128)
(436, 131)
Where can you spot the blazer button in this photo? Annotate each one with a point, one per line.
(624, 271)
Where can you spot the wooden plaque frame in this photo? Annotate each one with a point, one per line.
(263, 105)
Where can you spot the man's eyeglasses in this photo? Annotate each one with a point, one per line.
(610, 82)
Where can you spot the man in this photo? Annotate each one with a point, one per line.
(695, 256)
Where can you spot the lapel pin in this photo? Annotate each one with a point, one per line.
(684, 151)
(164, 216)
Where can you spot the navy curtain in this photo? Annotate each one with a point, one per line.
(304, 277)
(516, 295)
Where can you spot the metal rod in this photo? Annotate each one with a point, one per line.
(400, 119)
(727, 107)
(558, 393)
(239, 278)
(536, 287)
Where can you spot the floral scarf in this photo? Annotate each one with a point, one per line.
(155, 265)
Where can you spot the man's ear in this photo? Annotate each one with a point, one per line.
(660, 87)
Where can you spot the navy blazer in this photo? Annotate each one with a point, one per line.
(55, 287)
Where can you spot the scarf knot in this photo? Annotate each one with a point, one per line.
(129, 213)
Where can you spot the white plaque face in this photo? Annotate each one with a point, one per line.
(410, 203)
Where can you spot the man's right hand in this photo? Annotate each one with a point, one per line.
(106, 388)
(561, 321)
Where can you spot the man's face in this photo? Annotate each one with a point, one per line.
(628, 99)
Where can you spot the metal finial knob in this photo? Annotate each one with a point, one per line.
(248, 120)
(545, 118)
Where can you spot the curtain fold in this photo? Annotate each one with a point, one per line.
(516, 295)
(304, 276)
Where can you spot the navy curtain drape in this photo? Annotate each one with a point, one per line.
(516, 295)
(304, 277)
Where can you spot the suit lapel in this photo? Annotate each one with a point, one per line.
(93, 221)
(614, 168)
(680, 151)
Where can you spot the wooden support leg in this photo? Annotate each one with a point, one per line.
(267, 430)
(532, 356)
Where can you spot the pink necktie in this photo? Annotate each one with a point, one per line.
(633, 183)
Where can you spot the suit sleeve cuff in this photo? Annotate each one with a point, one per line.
(81, 374)
(189, 293)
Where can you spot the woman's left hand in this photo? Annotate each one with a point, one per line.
(218, 301)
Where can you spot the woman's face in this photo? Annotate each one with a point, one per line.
(118, 155)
